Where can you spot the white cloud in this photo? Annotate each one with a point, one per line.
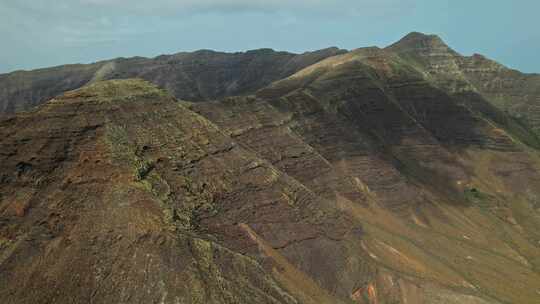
(209, 4)
(85, 27)
(168, 7)
(81, 21)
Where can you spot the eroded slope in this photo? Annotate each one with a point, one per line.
(117, 193)
(443, 194)
(355, 180)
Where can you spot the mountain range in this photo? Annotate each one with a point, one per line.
(405, 174)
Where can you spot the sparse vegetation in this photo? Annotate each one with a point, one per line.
(473, 194)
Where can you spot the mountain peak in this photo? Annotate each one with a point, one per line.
(416, 41)
(420, 36)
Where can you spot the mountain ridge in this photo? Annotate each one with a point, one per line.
(24, 89)
(475, 73)
(367, 177)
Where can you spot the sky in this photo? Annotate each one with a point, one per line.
(42, 33)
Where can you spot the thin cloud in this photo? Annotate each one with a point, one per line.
(168, 7)
(83, 21)
(84, 28)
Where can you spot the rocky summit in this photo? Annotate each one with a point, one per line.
(406, 174)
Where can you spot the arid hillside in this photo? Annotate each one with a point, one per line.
(374, 176)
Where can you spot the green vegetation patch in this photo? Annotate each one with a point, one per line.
(477, 197)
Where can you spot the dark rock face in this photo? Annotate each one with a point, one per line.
(366, 177)
(201, 75)
(509, 90)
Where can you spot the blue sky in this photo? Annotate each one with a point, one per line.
(40, 33)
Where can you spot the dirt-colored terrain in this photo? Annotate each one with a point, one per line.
(376, 176)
